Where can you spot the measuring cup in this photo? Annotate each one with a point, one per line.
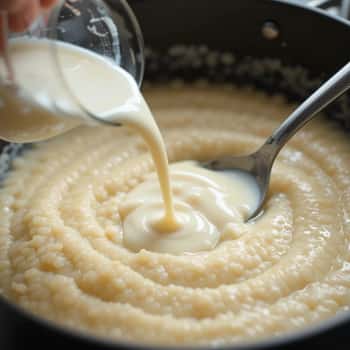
(108, 29)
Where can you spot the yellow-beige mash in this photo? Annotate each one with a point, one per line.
(62, 254)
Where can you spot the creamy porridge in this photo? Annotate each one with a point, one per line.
(65, 204)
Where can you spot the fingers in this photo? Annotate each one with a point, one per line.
(23, 17)
(23, 12)
(47, 3)
(12, 6)
(3, 25)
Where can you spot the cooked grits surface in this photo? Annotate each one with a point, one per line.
(61, 240)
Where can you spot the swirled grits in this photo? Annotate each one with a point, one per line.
(61, 241)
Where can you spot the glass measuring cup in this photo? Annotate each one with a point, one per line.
(29, 108)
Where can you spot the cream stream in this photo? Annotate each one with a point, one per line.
(203, 211)
(208, 204)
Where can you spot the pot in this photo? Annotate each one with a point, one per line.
(275, 46)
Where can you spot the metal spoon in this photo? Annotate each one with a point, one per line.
(259, 164)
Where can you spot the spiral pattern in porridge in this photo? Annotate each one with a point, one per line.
(62, 254)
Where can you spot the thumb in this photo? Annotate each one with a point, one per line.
(21, 19)
(11, 5)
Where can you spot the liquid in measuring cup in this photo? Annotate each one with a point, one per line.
(44, 105)
(89, 83)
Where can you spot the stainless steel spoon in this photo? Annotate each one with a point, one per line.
(259, 164)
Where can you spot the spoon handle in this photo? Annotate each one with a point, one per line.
(330, 90)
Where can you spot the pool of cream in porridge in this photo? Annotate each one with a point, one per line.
(61, 236)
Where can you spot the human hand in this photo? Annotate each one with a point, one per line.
(21, 13)
(17, 16)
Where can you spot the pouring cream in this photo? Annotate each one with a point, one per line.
(207, 205)
(111, 95)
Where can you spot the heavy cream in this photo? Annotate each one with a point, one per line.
(61, 86)
(70, 84)
(208, 205)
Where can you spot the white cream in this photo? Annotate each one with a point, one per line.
(207, 204)
(34, 110)
(58, 82)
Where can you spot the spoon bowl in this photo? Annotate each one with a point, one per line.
(254, 165)
(259, 164)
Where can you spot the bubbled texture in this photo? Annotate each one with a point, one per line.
(61, 247)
